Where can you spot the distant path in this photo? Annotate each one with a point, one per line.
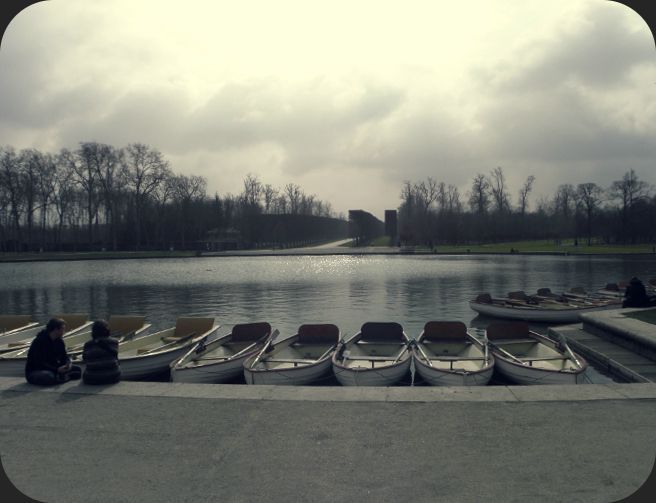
(334, 244)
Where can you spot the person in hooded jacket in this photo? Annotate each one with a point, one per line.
(47, 361)
(100, 356)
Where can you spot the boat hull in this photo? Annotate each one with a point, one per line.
(521, 374)
(536, 314)
(298, 376)
(438, 377)
(382, 376)
(212, 373)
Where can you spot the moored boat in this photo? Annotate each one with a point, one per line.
(221, 359)
(14, 354)
(297, 360)
(539, 310)
(527, 357)
(445, 354)
(12, 323)
(152, 354)
(378, 355)
(16, 340)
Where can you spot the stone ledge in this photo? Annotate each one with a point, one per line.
(539, 393)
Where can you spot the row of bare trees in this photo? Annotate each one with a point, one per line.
(102, 197)
(432, 212)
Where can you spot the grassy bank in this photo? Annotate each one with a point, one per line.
(648, 316)
(530, 247)
(106, 255)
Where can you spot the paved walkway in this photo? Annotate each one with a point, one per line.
(183, 442)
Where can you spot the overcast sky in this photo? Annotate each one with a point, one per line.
(345, 98)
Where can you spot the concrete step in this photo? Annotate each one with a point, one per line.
(618, 361)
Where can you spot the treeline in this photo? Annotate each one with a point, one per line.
(434, 213)
(102, 197)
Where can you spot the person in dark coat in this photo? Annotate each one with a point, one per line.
(635, 294)
(47, 361)
(100, 356)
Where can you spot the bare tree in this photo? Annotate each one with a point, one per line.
(11, 180)
(589, 195)
(45, 189)
(83, 165)
(479, 198)
(293, 193)
(269, 194)
(145, 171)
(523, 194)
(498, 188)
(63, 193)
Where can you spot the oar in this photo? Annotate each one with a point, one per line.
(407, 346)
(268, 343)
(327, 352)
(170, 344)
(501, 350)
(563, 343)
(485, 346)
(421, 350)
(261, 339)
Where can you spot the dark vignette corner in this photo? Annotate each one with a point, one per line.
(646, 9)
(9, 9)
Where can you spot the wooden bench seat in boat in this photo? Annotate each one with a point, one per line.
(456, 358)
(542, 358)
(371, 358)
(288, 360)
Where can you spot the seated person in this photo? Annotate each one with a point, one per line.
(100, 356)
(636, 294)
(47, 361)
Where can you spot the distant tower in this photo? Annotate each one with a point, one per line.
(391, 228)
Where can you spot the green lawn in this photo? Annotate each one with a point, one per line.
(533, 247)
(648, 316)
(92, 255)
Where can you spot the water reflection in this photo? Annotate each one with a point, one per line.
(289, 291)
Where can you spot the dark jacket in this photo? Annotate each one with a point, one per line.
(101, 361)
(46, 354)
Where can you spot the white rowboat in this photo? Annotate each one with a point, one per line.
(15, 340)
(544, 312)
(378, 355)
(526, 357)
(12, 362)
(445, 354)
(11, 323)
(221, 359)
(152, 354)
(297, 360)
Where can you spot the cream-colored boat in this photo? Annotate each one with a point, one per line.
(221, 359)
(527, 357)
(300, 359)
(12, 361)
(152, 354)
(11, 323)
(378, 355)
(445, 354)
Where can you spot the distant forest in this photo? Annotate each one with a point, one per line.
(433, 213)
(103, 197)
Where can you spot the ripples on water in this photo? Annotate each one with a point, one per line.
(289, 291)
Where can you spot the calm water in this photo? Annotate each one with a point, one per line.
(289, 291)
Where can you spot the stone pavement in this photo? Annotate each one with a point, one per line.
(139, 441)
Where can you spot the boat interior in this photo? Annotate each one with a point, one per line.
(448, 346)
(242, 339)
(311, 344)
(515, 338)
(10, 322)
(379, 344)
(185, 329)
